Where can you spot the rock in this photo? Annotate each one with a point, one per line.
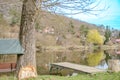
(114, 65)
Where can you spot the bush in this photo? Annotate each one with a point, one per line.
(15, 17)
(2, 20)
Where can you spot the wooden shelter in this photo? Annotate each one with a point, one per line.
(8, 47)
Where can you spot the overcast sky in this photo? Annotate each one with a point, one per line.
(110, 17)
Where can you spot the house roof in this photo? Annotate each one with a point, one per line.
(10, 46)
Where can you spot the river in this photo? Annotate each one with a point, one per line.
(97, 58)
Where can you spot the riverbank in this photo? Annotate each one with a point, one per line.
(75, 48)
(81, 76)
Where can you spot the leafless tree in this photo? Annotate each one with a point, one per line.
(30, 9)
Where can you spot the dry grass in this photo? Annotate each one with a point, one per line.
(60, 23)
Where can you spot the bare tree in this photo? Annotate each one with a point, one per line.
(27, 35)
(66, 6)
(27, 30)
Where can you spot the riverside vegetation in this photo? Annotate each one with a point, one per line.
(58, 33)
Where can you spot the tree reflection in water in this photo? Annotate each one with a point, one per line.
(97, 58)
(94, 59)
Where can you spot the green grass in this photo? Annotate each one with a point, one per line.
(99, 76)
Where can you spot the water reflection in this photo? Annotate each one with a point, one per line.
(98, 59)
(93, 59)
(111, 62)
(85, 57)
(102, 66)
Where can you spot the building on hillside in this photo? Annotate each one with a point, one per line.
(117, 40)
(49, 30)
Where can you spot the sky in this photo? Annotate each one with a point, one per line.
(108, 17)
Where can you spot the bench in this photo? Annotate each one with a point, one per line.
(7, 67)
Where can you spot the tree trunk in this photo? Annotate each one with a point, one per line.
(27, 36)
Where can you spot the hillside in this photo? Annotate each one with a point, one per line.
(61, 29)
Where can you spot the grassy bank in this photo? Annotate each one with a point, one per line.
(99, 76)
(75, 48)
(64, 48)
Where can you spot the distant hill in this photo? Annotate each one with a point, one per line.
(7, 6)
(64, 27)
